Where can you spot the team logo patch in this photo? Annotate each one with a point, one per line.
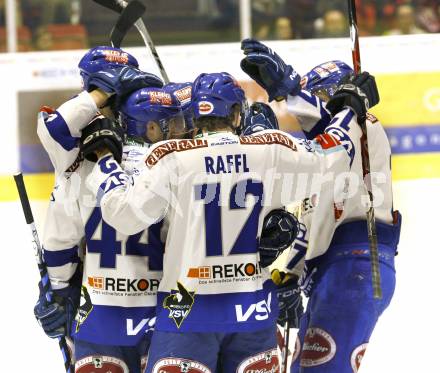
(116, 56)
(84, 309)
(161, 98)
(372, 118)
(177, 365)
(357, 356)
(184, 95)
(179, 304)
(265, 362)
(205, 107)
(100, 364)
(318, 348)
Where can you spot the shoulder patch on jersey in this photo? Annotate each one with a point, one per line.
(171, 146)
(372, 118)
(268, 139)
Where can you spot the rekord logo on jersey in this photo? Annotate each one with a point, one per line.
(205, 107)
(256, 311)
(84, 309)
(225, 273)
(179, 303)
(109, 285)
(264, 362)
(177, 365)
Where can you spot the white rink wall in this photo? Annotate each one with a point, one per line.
(46, 71)
(405, 340)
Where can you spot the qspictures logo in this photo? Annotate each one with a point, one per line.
(179, 303)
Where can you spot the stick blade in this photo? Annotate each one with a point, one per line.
(126, 20)
(110, 4)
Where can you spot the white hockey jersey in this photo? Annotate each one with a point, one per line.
(59, 131)
(318, 227)
(215, 191)
(121, 273)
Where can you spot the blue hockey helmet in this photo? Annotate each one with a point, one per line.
(183, 91)
(152, 105)
(259, 117)
(215, 95)
(96, 58)
(326, 77)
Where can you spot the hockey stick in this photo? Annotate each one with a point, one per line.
(118, 6)
(21, 188)
(371, 221)
(286, 346)
(128, 17)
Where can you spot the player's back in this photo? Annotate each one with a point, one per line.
(222, 186)
(121, 273)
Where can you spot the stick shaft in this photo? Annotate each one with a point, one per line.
(27, 211)
(118, 6)
(286, 346)
(371, 220)
(127, 18)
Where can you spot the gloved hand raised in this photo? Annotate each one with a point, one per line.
(122, 80)
(280, 229)
(359, 92)
(269, 70)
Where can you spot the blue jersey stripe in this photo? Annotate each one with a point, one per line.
(61, 257)
(59, 131)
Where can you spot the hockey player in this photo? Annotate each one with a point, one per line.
(105, 72)
(214, 298)
(341, 312)
(182, 91)
(121, 272)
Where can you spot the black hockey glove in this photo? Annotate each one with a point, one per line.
(289, 298)
(102, 133)
(280, 229)
(359, 92)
